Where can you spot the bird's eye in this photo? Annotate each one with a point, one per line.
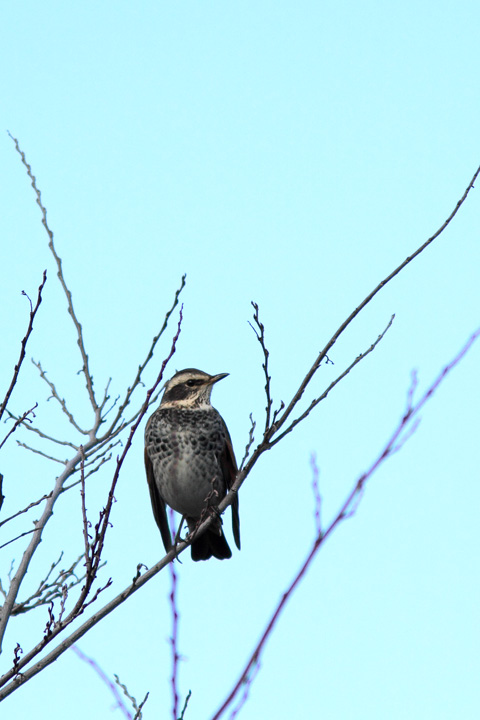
(191, 383)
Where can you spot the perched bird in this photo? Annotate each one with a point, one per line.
(190, 462)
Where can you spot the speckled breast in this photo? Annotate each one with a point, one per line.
(185, 447)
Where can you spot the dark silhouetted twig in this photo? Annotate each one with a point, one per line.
(16, 371)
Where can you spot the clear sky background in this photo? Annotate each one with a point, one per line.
(292, 154)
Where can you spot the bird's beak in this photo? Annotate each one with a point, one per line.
(216, 378)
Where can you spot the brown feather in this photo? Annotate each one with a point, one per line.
(158, 506)
(229, 466)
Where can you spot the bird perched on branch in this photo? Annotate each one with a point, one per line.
(190, 462)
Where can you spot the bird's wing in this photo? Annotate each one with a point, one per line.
(158, 505)
(229, 466)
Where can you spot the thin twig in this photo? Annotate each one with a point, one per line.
(27, 532)
(19, 421)
(40, 433)
(57, 397)
(250, 441)
(318, 400)
(16, 371)
(105, 679)
(48, 591)
(40, 452)
(85, 522)
(141, 368)
(174, 637)
(133, 700)
(260, 334)
(182, 714)
(20, 512)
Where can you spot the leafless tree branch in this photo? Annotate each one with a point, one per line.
(295, 399)
(40, 452)
(138, 377)
(31, 428)
(250, 441)
(106, 680)
(95, 449)
(95, 547)
(19, 421)
(61, 401)
(260, 334)
(318, 400)
(24, 510)
(16, 371)
(60, 275)
(175, 617)
(347, 510)
(47, 590)
(93, 453)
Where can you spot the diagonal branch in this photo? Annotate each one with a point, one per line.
(60, 275)
(283, 418)
(315, 402)
(40, 433)
(33, 312)
(347, 510)
(18, 421)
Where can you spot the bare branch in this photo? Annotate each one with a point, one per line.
(27, 532)
(174, 636)
(136, 707)
(261, 339)
(138, 378)
(37, 534)
(57, 397)
(16, 371)
(86, 524)
(318, 400)
(60, 275)
(137, 583)
(48, 591)
(182, 715)
(250, 441)
(20, 512)
(12, 679)
(95, 552)
(348, 509)
(105, 679)
(40, 452)
(19, 421)
(281, 421)
(40, 433)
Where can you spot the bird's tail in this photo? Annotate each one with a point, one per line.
(212, 543)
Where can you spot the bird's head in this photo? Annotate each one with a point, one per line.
(190, 389)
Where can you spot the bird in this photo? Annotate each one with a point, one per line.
(190, 462)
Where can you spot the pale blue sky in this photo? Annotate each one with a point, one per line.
(292, 154)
